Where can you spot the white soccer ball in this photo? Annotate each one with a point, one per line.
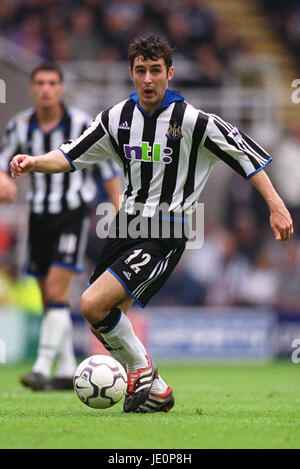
(100, 381)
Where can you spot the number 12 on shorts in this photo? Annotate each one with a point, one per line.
(137, 267)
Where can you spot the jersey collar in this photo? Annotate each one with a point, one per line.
(63, 124)
(170, 97)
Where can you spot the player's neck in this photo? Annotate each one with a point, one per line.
(49, 117)
(151, 107)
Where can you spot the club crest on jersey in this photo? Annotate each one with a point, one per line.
(146, 152)
(235, 135)
(174, 131)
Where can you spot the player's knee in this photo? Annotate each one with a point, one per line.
(92, 310)
(85, 305)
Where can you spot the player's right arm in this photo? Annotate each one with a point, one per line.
(92, 147)
(53, 162)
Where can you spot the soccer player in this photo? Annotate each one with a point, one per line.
(167, 149)
(58, 224)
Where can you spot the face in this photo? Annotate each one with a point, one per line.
(151, 79)
(46, 89)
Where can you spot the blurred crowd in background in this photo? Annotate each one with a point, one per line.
(240, 263)
(285, 18)
(102, 29)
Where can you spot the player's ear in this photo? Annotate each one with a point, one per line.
(131, 73)
(171, 72)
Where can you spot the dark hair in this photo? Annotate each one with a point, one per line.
(150, 47)
(47, 67)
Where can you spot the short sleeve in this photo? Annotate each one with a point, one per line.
(92, 147)
(234, 147)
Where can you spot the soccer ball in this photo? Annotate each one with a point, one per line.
(100, 381)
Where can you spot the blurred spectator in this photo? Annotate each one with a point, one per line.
(284, 16)
(243, 201)
(208, 71)
(7, 281)
(227, 45)
(245, 229)
(180, 289)
(83, 40)
(108, 53)
(201, 21)
(261, 284)
(60, 48)
(96, 5)
(7, 15)
(122, 21)
(288, 292)
(156, 12)
(293, 27)
(226, 286)
(178, 32)
(211, 71)
(204, 264)
(17, 290)
(26, 8)
(7, 240)
(29, 34)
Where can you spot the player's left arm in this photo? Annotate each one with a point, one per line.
(280, 219)
(113, 189)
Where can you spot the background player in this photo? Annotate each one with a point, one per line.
(58, 223)
(191, 142)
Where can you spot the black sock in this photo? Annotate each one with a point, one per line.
(109, 321)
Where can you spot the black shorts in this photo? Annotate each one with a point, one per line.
(141, 265)
(57, 240)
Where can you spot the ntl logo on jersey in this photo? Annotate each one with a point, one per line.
(146, 153)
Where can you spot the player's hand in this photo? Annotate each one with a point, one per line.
(21, 164)
(8, 189)
(282, 223)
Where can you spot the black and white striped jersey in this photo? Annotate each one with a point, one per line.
(167, 157)
(53, 193)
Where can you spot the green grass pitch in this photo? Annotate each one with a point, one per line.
(217, 406)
